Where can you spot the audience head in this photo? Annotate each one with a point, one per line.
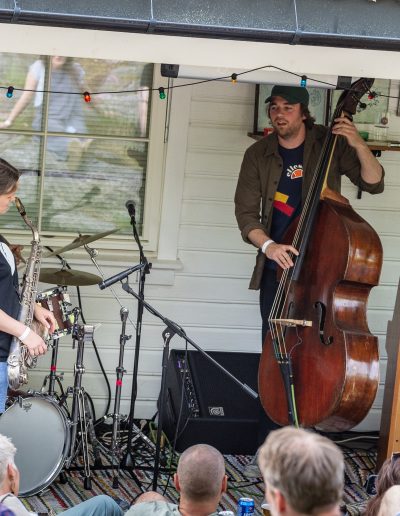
(201, 475)
(388, 476)
(303, 473)
(390, 504)
(9, 475)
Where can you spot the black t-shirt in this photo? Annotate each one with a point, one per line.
(287, 200)
(9, 301)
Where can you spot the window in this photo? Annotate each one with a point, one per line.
(80, 161)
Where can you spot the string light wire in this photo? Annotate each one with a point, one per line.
(233, 77)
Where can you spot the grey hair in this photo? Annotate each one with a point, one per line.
(201, 470)
(7, 454)
(307, 468)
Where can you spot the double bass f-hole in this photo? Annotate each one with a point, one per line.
(321, 308)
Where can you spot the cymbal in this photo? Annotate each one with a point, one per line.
(68, 277)
(78, 242)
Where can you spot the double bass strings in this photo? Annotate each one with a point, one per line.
(281, 299)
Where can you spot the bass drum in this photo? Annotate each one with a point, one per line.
(40, 430)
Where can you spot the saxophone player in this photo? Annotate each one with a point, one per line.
(10, 326)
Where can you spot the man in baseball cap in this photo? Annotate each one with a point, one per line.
(276, 175)
(292, 94)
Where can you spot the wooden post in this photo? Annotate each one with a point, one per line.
(389, 435)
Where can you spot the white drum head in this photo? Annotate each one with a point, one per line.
(39, 430)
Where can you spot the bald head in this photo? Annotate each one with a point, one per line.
(201, 471)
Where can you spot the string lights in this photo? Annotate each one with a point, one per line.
(161, 93)
(87, 97)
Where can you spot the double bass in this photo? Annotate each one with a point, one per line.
(320, 365)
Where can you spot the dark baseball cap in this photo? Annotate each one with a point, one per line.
(293, 94)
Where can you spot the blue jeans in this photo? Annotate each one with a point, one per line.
(101, 505)
(3, 386)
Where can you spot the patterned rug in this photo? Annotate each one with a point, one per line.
(60, 496)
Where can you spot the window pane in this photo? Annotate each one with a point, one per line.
(108, 114)
(22, 152)
(87, 192)
(14, 69)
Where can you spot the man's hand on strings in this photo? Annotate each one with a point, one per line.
(280, 253)
(345, 127)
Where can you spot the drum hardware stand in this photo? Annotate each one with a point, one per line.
(144, 268)
(115, 449)
(79, 414)
(168, 333)
(53, 376)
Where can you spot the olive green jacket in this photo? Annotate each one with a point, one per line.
(260, 174)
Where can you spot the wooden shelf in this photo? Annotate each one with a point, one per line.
(375, 146)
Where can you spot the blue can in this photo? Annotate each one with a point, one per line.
(245, 506)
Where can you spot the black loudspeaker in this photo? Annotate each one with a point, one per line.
(214, 409)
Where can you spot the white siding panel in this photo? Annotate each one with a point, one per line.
(215, 161)
(209, 187)
(218, 263)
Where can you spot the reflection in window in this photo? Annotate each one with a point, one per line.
(92, 156)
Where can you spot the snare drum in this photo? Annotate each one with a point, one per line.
(57, 301)
(40, 430)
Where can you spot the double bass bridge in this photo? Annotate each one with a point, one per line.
(291, 322)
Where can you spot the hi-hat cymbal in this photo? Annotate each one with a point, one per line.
(68, 277)
(78, 242)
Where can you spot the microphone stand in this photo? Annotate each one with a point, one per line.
(128, 460)
(168, 333)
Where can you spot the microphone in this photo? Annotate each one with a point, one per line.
(130, 206)
(124, 314)
(120, 276)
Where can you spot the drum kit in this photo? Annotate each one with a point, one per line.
(48, 436)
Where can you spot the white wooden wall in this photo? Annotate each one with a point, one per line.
(208, 296)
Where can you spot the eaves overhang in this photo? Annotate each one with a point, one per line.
(363, 24)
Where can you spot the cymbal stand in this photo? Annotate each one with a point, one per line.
(92, 252)
(81, 334)
(115, 448)
(133, 429)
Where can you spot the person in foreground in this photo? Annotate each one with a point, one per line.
(303, 473)
(200, 480)
(101, 505)
(390, 505)
(388, 476)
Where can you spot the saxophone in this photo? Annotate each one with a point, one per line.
(19, 359)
